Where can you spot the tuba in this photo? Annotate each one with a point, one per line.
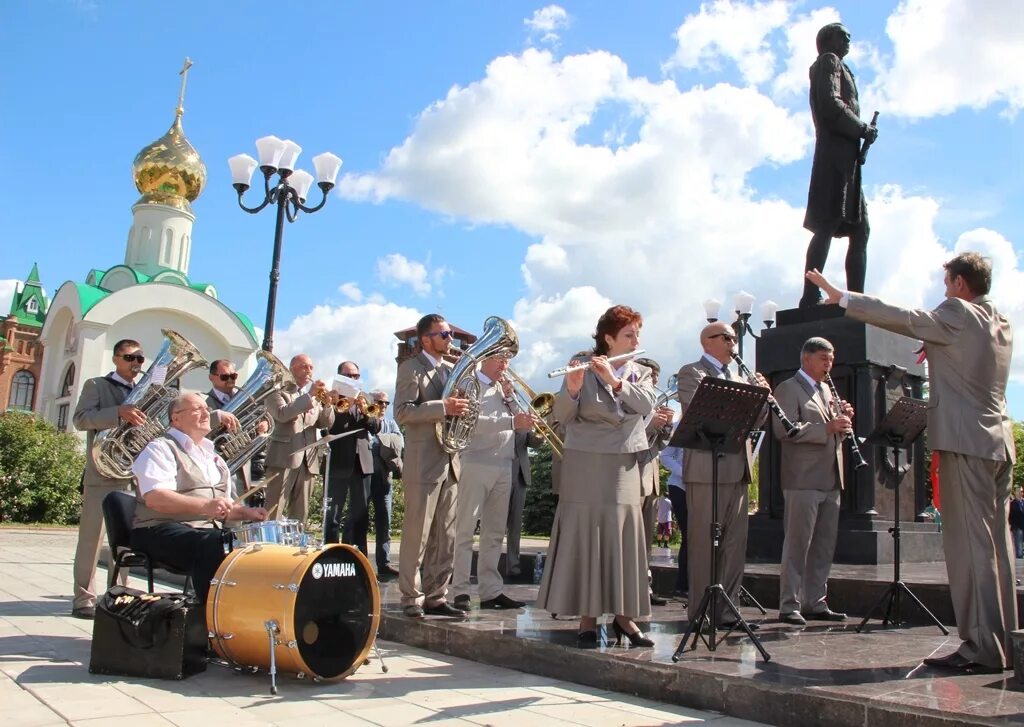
(239, 447)
(498, 339)
(540, 405)
(115, 449)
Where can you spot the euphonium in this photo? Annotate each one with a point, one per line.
(540, 405)
(671, 393)
(498, 339)
(239, 447)
(115, 449)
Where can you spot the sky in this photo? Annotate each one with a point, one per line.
(538, 162)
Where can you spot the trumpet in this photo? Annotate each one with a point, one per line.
(855, 453)
(789, 426)
(540, 405)
(580, 367)
(361, 403)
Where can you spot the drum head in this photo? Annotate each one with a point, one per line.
(334, 611)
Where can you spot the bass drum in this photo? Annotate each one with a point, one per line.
(323, 606)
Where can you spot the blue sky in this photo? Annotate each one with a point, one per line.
(510, 160)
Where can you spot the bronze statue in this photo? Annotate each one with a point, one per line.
(835, 201)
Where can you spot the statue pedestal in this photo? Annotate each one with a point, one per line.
(873, 369)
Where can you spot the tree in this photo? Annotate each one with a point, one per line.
(1018, 466)
(40, 471)
(539, 509)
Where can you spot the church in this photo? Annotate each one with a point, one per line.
(75, 332)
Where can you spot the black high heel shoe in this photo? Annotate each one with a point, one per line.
(636, 639)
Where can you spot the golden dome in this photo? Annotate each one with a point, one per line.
(169, 171)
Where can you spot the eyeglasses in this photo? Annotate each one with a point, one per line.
(351, 376)
(228, 377)
(133, 357)
(194, 410)
(443, 334)
(383, 402)
(726, 336)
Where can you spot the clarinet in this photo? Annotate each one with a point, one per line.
(858, 458)
(789, 426)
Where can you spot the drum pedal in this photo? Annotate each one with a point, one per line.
(271, 627)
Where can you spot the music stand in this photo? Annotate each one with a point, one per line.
(899, 429)
(718, 419)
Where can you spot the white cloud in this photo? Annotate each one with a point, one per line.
(949, 54)
(396, 269)
(351, 291)
(361, 333)
(546, 22)
(802, 51)
(7, 290)
(735, 31)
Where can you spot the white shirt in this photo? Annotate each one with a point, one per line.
(715, 362)
(157, 469)
(664, 510)
(221, 396)
(117, 377)
(433, 361)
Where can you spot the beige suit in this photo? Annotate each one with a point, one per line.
(733, 477)
(431, 484)
(968, 345)
(597, 559)
(290, 467)
(96, 410)
(242, 478)
(812, 476)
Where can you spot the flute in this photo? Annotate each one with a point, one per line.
(855, 453)
(789, 426)
(579, 367)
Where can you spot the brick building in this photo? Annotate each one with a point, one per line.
(21, 354)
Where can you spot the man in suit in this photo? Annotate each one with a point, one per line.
(222, 381)
(291, 463)
(718, 340)
(968, 344)
(835, 200)
(812, 477)
(659, 429)
(386, 446)
(522, 478)
(101, 406)
(351, 466)
(485, 488)
(430, 473)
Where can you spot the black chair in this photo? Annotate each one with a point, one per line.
(118, 515)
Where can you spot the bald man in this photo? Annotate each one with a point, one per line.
(718, 341)
(297, 416)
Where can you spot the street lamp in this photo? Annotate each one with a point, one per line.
(278, 156)
(743, 304)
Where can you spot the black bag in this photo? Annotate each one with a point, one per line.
(155, 635)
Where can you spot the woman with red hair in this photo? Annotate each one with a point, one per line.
(597, 560)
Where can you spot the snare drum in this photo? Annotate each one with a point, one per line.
(322, 605)
(281, 532)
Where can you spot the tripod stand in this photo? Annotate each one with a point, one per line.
(899, 429)
(718, 420)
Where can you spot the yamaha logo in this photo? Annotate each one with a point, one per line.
(333, 570)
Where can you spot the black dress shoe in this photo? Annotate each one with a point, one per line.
(827, 615)
(87, 613)
(462, 602)
(501, 601)
(793, 618)
(735, 625)
(386, 572)
(658, 600)
(413, 611)
(444, 609)
(958, 662)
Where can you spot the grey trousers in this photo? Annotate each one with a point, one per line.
(514, 526)
(979, 561)
(810, 522)
(428, 541)
(288, 493)
(90, 539)
(732, 552)
(483, 495)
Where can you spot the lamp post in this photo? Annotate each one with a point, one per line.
(278, 156)
(743, 304)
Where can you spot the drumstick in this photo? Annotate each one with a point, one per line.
(251, 491)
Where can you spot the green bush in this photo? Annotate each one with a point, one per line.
(40, 471)
(316, 505)
(539, 510)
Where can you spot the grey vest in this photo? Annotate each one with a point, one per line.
(190, 481)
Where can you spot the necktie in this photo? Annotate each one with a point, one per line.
(726, 373)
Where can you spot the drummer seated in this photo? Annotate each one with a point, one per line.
(182, 492)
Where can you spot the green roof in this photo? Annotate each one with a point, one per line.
(31, 290)
(246, 322)
(90, 295)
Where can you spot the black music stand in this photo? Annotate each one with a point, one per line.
(899, 429)
(718, 419)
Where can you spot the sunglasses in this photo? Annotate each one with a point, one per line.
(726, 336)
(352, 376)
(133, 357)
(443, 334)
(383, 402)
(228, 377)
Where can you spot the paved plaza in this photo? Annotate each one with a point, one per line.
(44, 678)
